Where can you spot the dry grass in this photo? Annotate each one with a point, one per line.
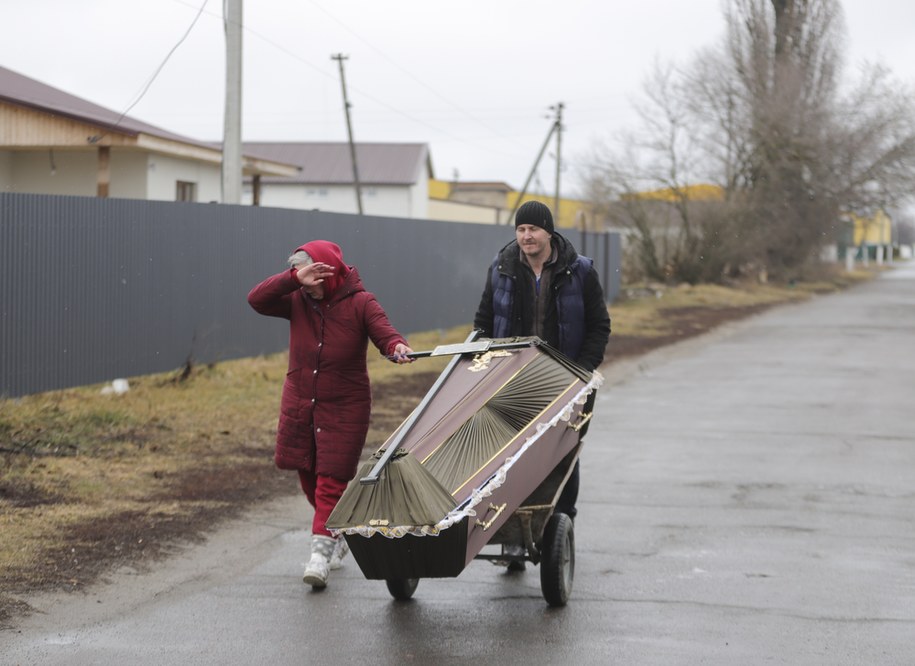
(637, 310)
(168, 451)
(89, 480)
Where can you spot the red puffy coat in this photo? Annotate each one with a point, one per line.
(326, 403)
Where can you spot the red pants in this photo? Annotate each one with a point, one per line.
(323, 493)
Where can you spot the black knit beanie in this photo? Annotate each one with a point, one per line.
(536, 214)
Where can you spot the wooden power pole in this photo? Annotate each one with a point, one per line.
(555, 127)
(339, 57)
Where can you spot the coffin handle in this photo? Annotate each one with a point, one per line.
(498, 512)
(584, 418)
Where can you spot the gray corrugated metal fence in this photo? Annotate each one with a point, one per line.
(94, 289)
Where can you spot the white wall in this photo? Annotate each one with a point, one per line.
(334, 199)
(410, 201)
(419, 199)
(388, 201)
(163, 173)
(128, 175)
(455, 211)
(54, 172)
(134, 175)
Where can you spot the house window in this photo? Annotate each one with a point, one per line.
(185, 191)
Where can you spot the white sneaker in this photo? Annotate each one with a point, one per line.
(316, 571)
(341, 548)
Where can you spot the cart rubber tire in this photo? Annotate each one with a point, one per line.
(557, 568)
(402, 589)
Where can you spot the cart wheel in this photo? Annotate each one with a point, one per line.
(557, 568)
(402, 588)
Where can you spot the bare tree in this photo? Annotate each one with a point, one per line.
(763, 116)
(786, 66)
(646, 188)
(872, 143)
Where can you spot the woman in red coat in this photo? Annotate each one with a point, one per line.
(326, 403)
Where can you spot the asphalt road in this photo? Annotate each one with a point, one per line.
(748, 498)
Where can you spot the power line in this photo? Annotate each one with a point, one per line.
(404, 70)
(400, 112)
(483, 145)
(142, 93)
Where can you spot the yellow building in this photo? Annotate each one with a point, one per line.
(874, 230)
(573, 214)
(492, 202)
(700, 192)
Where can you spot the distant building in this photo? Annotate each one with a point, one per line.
(493, 202)
(866, 237)
(393, 177)
(482, 193)
(52, 142)
(442, 206)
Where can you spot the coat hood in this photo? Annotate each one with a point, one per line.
(326, 252)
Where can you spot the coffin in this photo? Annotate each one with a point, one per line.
(498, 422)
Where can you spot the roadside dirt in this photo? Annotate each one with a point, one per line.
(213, 494)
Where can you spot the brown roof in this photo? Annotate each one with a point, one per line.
(329, 163)
(25, 92)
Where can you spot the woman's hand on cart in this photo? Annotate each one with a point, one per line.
(401, 354)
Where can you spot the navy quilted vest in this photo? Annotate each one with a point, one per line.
(570, 305)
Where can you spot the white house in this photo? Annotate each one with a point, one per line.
(393, 178)
(52, 142)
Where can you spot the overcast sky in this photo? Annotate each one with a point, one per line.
(473, 79)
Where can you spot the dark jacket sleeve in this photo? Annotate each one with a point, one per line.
(273, 296)
(597, 323)
(483, 319)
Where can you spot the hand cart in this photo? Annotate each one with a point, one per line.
(481, 461)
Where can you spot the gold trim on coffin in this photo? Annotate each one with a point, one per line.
(457, 406)
(481, 361)
(509, 442)
(532, 421)
(461, 402)
(468, 506)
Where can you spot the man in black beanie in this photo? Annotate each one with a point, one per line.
(539, 285)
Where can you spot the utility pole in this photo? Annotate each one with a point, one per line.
(339, 57)
(555, 127)
(558, 108)
(231, 141)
